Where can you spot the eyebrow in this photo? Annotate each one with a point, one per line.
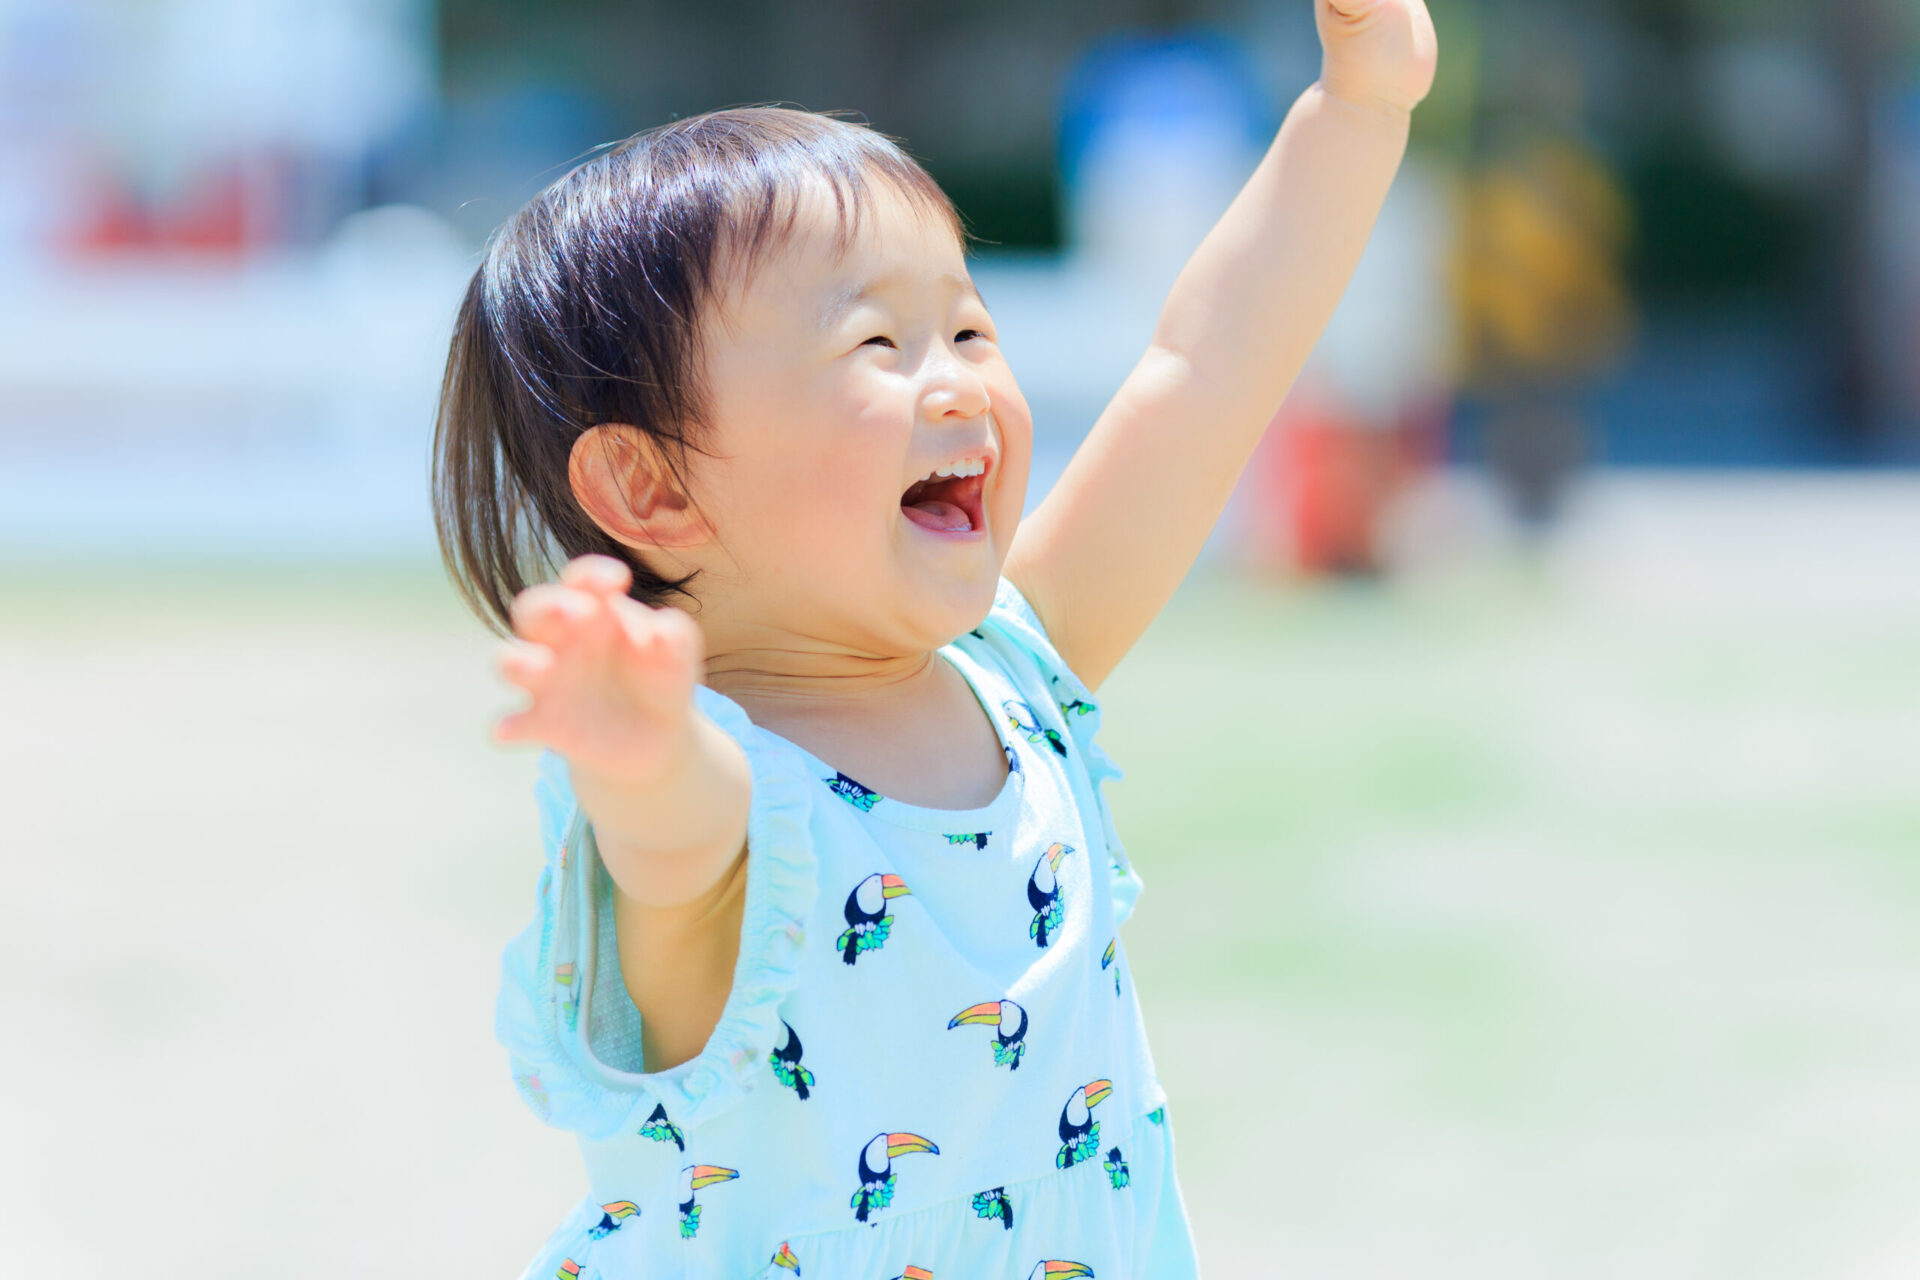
(847, 299)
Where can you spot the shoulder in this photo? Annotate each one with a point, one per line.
(1014, 627)
(1063, 710)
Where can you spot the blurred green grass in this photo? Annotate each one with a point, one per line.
(1500, 932)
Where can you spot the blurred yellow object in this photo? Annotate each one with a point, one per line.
(1536, 271)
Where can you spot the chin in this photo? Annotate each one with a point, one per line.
(941, 612)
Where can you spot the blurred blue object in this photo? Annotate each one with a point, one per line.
(1174, 84)
(501, 146)
(1157, 135)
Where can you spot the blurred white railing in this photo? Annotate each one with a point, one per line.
(285, 407)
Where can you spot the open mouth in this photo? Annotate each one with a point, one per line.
(947, 504)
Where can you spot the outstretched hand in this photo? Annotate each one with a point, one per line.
(1378, 54)
(610, 678)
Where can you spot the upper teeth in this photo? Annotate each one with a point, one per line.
(964, 467)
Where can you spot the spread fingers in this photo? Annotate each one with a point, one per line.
(602, 575)
(525, 664)
(550, 614)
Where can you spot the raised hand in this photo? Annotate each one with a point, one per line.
(1378, 54)
(611, 680)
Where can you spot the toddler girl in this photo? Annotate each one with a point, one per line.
(825, 973)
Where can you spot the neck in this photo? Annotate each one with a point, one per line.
(786, 675)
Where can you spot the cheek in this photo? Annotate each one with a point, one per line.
(1016, 459)
(850, 501)
(828, 498)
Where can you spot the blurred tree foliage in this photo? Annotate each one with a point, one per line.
(1707, 233)
(973, 92)
(970, 91)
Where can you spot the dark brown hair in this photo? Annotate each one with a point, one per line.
(585, 310)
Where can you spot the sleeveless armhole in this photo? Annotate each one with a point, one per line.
(563, 1014)
(1014, 618)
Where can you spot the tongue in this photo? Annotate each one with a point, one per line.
(942, 517)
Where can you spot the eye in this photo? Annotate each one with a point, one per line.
(964, 334)
(878, 338)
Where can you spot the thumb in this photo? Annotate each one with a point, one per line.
(1351, 10)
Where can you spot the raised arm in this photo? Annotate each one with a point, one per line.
(1101, 555)
(666, 789)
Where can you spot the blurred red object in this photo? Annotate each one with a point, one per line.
(1322, 478)
(116, 219)
(231, 210)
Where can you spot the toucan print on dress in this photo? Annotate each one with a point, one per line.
(876, 1169)
(786, 1062)
(1043, 894)
(868, 922)
(1010, 1041)
(1079, 1131)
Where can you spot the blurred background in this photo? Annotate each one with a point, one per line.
(1549, 696)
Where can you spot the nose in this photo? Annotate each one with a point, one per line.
(954, 389)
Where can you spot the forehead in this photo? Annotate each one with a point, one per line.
(824, 266)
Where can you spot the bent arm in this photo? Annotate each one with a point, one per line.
(1102, 554)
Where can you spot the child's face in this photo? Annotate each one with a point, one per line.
(829, 406)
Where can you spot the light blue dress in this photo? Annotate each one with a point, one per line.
(931, 1062)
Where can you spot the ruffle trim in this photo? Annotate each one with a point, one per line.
(1016, 616)
(544, 1012)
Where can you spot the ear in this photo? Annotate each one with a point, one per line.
(620, 478)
